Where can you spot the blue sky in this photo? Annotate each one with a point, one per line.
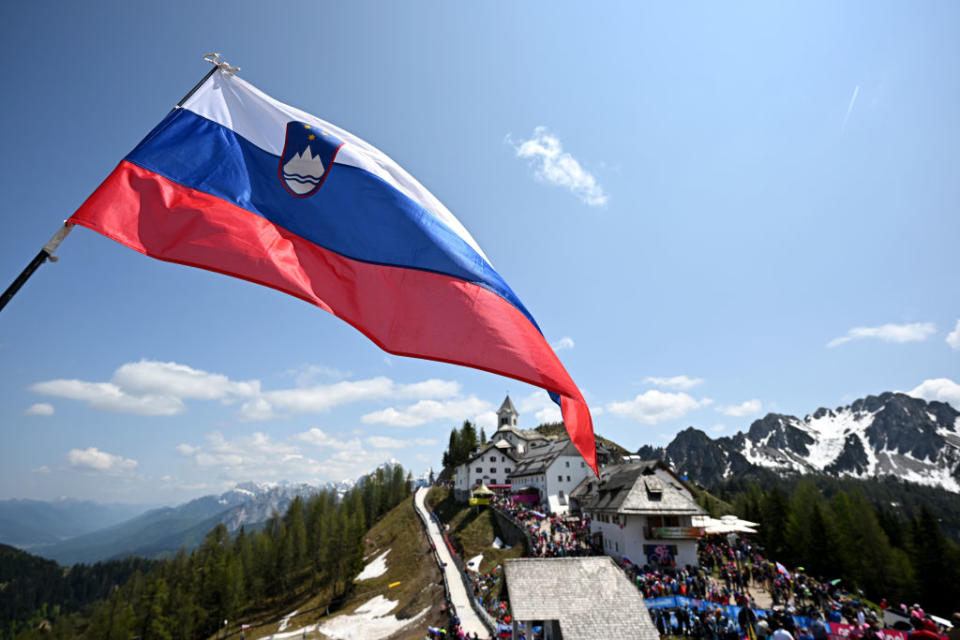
(713, 211)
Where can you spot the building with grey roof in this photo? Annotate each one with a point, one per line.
(642, 512)
(576, 599)
(553, 469)
(494, 461)
(491, 465)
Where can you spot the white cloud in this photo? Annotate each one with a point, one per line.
(914, 332)
(155, 388)
(321, 398)
(149, 377)
(566, 342)
(942, 389)
(307, 374)
(541, 406)
(486, 420)
(552, 164)
(319, 438)
(656, 406)
(39, 409)
(718, 428)
(92, 459)
(428, 411)
(953, 338)
(256, 409)
(41, 469)
(746, 408)
(252, 457)
(680, 383)
(384, 442)
(149, 388)
(107, 396)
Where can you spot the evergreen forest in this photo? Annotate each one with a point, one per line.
(316, 546)
(842, 534)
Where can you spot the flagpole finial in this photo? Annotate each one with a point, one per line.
(217, 61)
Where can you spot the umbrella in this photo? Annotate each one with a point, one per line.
(835, 582)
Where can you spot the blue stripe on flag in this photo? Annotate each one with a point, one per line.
(354, 213)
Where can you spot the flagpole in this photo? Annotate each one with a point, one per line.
(46, 253)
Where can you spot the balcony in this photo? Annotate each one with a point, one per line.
(673, 533)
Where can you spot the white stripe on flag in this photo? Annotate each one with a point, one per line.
(238, 105)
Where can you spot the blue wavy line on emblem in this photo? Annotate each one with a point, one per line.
(302, 179)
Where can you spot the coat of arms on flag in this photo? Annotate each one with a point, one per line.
(308, 154)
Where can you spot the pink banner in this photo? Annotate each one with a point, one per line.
(843, 631)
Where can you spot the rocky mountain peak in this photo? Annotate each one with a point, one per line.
(888, 434)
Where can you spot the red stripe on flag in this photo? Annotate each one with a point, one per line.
(404, 311)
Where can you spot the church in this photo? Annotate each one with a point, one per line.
(515, 460)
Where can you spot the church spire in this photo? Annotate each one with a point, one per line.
(507, 414)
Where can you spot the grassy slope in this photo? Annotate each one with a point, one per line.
(410, 562)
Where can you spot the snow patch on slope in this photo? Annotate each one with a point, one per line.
(375, 568)
(370, 621)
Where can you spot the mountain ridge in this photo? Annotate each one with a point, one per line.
(164, 530)
(891, 434)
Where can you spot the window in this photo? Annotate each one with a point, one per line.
(582, 464)
(559, 478)
(493, 458)
(617, 545)
(568, 463)
(479, 469)
(493, 469)
(507, 470)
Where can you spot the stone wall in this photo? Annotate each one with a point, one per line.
(513, 532)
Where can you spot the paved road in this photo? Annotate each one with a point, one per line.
(458, 593)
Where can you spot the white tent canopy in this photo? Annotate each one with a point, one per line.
(725, 524)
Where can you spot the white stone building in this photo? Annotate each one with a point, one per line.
(555, 470)
(643, 512)
(491, 465)
(495, 460)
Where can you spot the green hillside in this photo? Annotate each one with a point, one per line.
(304, 560)
(560, 430)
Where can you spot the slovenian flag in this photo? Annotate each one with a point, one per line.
(241, 184)
(782, 569)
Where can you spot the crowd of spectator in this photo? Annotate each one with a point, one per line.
(730, 568)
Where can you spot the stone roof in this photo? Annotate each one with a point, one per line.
(525, 434)
(507, 406)
(590, 597)
(539, 458)
(634, 488)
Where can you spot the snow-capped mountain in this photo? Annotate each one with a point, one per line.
(163, 531)
(890, 434)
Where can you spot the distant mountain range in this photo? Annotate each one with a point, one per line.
(165, 530)
(892, 434)
(31, 523)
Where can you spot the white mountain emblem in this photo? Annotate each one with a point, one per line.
(303, 172)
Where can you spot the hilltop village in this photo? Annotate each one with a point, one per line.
(628, 554)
